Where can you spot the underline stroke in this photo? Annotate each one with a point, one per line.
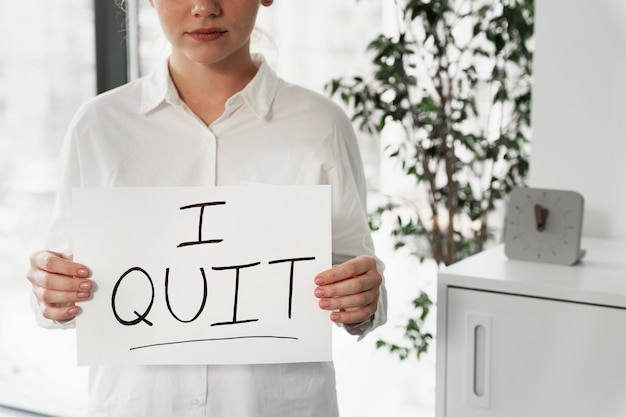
(216, 339)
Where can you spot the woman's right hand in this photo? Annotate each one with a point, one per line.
(58, 283)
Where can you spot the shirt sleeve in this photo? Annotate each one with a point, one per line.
(351, 232)
(59, 235)
(58, 238)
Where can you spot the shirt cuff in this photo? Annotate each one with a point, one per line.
(360, 329)
(47, 323)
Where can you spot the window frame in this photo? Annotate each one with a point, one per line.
(117, 43)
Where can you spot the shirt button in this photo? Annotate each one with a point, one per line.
(195, 401)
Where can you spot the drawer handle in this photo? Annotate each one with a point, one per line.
(478, 360)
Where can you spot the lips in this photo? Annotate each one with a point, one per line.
(206, 34)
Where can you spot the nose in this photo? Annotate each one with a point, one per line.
(206, 8)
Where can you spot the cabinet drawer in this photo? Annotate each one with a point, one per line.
(518, 356)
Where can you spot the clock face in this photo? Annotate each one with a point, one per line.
(544, 225)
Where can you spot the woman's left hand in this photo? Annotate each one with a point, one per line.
(350, 290)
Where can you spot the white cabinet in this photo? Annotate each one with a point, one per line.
(523, 339)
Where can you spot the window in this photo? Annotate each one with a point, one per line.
(46, 71)
(45, 74)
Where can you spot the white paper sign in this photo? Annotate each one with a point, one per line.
(220, 275)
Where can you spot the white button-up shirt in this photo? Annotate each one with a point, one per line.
(271, 132)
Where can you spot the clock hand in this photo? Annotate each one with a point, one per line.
(541, 215)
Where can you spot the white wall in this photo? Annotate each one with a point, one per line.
(579, 107)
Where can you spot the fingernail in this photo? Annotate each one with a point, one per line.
(85, 285)
(83, 295)
(324, 304)
(72, 311)
(82, 272)
(319, 280)
(334, 317)
(319, 292)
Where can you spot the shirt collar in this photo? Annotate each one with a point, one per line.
(258, 94)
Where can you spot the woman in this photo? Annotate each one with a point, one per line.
(214, 114)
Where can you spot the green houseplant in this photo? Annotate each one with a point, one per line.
(456, 77)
